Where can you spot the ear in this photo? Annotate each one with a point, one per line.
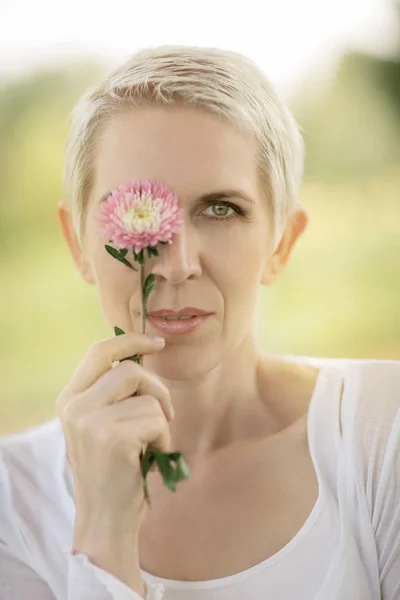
(81, 261)
(277, 263)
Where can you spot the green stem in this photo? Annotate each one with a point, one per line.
(142, 317)
(148, 456)
(142, 329)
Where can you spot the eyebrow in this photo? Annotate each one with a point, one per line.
(223, 194)
(210, 197)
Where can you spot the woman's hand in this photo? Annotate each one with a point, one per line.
(105, 429)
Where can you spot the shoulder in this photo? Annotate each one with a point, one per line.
(370, 388)
(368, 449)
(369, 411)
(371, 434)
(370, 423)
(365, 380)
(371, 402)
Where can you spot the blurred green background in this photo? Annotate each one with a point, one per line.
(340, 296)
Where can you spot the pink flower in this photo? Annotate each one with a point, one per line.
(140, 214)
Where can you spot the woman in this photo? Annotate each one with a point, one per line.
(294, 486)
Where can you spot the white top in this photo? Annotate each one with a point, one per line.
(348, 548)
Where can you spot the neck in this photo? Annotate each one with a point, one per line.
(220, 402)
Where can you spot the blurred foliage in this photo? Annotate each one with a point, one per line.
(340, 295)
(354, 130)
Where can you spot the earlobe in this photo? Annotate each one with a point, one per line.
(279, 260)
(87, 272)
(271, 271)
(68, 231)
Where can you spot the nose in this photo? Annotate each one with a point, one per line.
(179, 260)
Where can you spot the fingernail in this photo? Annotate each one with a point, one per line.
(158, 339)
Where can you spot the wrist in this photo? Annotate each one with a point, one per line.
(112, 548)
(124, 566)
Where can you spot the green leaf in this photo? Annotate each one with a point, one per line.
(149, 285)
(139, 257)
(152, 250)
(174, 455)
(113, 251)
(127, 263)
(136, 358)
(182, 469)
(145, 302)
(119, 255)
(164, 461)
(166, 470)
(147, 462)
(149, 280)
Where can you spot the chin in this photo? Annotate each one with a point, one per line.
(181, 365)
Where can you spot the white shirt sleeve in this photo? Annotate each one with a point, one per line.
(85, 581)
(386, 514)
(378, 415)
(18, 580)
(84, 576)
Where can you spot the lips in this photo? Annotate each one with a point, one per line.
(178, 326)
(188, 311)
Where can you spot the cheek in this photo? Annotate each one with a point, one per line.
(238, 255)
(236, 274)
(110, 272)
(116, 285)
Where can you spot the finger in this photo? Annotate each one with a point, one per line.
(102, 354)
(123, 381)
(130, 436)
(149, 430)
(130, 408)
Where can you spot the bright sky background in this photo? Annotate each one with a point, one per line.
(287, 38)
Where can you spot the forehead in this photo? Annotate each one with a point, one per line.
(190, 150)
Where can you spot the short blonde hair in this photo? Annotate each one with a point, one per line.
(220, 81)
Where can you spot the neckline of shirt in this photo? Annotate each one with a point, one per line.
(324, 377)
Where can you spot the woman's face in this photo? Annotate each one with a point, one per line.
(223, 251)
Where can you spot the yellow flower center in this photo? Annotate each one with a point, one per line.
(144, 215)
(141, 213)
